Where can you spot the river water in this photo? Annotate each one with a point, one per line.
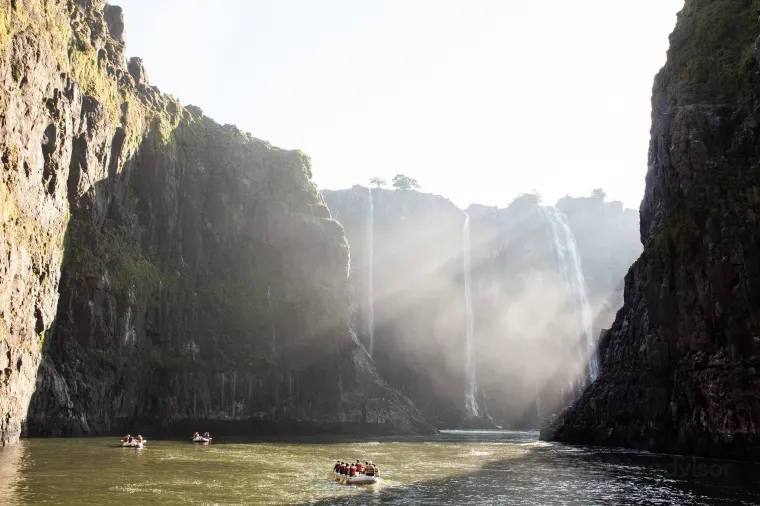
(489, 467)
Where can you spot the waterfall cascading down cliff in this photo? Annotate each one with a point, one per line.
(421, 345)
(371, 272)
(471, 403)
(569, 264)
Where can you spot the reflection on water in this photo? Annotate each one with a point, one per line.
(10, 468)
(453, 468)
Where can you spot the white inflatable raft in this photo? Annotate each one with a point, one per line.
(201, 439)
(359, 479)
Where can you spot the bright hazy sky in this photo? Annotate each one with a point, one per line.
(480, 100)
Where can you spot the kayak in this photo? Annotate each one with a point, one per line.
(359, 479)
(134, 443)
(201, 439)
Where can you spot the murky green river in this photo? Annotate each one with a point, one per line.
(452, 468)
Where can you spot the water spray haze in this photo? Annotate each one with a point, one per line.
(482, 317)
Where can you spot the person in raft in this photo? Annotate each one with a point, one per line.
(139, 438)
(127, 438)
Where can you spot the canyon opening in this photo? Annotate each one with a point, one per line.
(433, 252)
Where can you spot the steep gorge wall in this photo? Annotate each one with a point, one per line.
(201, 275)
(41, 112)
(680, 364)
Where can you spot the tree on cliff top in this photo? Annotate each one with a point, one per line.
(402, 182)
(378, 182)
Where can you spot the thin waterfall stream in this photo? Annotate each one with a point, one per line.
(470, 399)
(371, 272)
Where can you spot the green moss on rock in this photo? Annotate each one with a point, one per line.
(711, 51)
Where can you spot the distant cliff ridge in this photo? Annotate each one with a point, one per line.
(528, 349)
(160, 268)
(680, 364)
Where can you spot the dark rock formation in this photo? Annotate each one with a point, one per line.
(527, 353)
(137, 70)
(201, 275)
(680, 364)
(114, 17)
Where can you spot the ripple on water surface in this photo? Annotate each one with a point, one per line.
(454, 467)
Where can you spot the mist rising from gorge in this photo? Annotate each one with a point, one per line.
(530, 347)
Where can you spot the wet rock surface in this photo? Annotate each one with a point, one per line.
(679, 366)
(158, 267)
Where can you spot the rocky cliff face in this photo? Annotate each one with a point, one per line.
(528, 354)
(40, 107)
(201, 275)
(680, 364)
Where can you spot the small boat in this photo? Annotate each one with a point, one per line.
(202, 439)
(359, 479)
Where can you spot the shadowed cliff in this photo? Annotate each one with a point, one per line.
(680, 364)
